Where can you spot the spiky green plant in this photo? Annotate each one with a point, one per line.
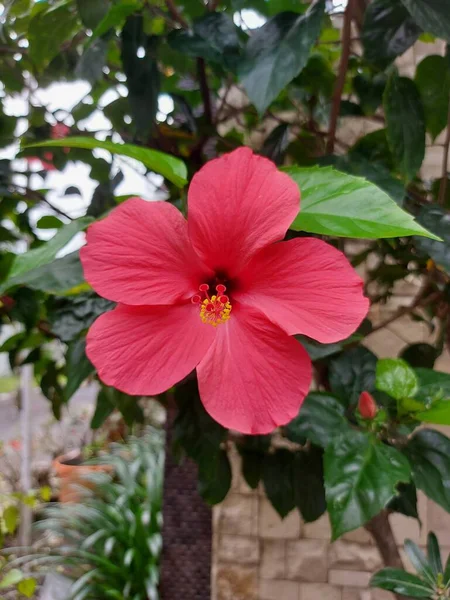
(110, 543)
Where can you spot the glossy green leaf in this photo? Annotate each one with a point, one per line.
(429, 454)
(321, 418)
(214, 37)
(30, 267)
(437, 220)
(396, 378)
(351, 373)
(337, 204)
(419, 561)
(432, 15)
(170, 167)
(143, 78)
(277, 52)
(433, 81)
(116, 16)
(388, 31)
(48, 30)
(78, 367)
(438, 413)
(309, 490)
(11, 578)
(405, 120)
(74, 314)
(92, 12)
(434, 554)
(401, 582)
(278, 481)
(361, 475)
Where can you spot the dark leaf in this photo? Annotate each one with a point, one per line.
(388, 31)
(90, 66)
(92, 11)
(361, 475)
(351, 373)
(401, 582)
(78, 367)
(214, 477)
(103, 409)
(116, 16)
(420, 355)
(51, 388)
(405, 119)
(433, 80)
(26, 307)
(433, 16)
(139, 59)
(419, 561)
(278, 481)
(321, 418)
(436, 220)
(277, 52)
(309, 490)
(434, 554)
(276, 143)
(253, 450)
(429, 454)
(405, 502)
(370, 91)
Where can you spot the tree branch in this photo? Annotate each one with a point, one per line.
(204, 90)
(381, 531)
(444, 180)
(340, 81)
(176, 15)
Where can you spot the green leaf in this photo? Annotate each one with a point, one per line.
(432, 15)
(90, 66)
(11, 518)
(27, 587)
(419, 561)
(351, 373)
(278, 480)
(337, 204)
(433, 385)
(213, 37)
(116, 16)
(49, 222)
(420, 355)
(405, 120)
(433, 80)
(24, 264)
(57, 277)
(309, 490)
(437, 220)
(143, 79)
(434, 554)
(170, 167)
(438, 413)
(276, 143)
(396, 378)
(48, 30)
(361, 475)
(429, 454)
(388, 31)
(92, 12)
(12, 578)
(401, 582)
(253, 450)
(72, 315)
(103, 409)
(405, 502)
(78, 367)
(321, 418)
(214, 478)
(277, 52)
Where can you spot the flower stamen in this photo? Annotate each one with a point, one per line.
(216, 309)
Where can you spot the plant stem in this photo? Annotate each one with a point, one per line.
(381, 531)
(340, 81)
(204, 90)
(444, 180)
(175, 14)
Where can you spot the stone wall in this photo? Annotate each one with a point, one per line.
(258, 556)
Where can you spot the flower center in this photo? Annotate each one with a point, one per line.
(216, 309)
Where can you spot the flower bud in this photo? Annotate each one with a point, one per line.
(367, 406)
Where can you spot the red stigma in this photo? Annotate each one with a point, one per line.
(204, 287)
(220, 288)
(196, 299)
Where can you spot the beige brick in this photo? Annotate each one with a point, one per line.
(306, 560)
(349, 578)
(233, 582)
(319, 591)
(382, 595)
(278, 590)
(439, 522)
(354, 557)
(238, 549)
(272, 526)
(273, 559)
(443, 362)
(239, 515)
(351, 593)
(319, 530)
(384, 343)
(359, 536)
(405, 527)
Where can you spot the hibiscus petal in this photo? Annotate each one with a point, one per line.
(140, 254)
(238, 204)
(144, 350)
(305, 286)
(254, 377)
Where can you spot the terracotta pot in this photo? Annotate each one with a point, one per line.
(71, 473)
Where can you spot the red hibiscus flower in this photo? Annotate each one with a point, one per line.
(218, 294)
